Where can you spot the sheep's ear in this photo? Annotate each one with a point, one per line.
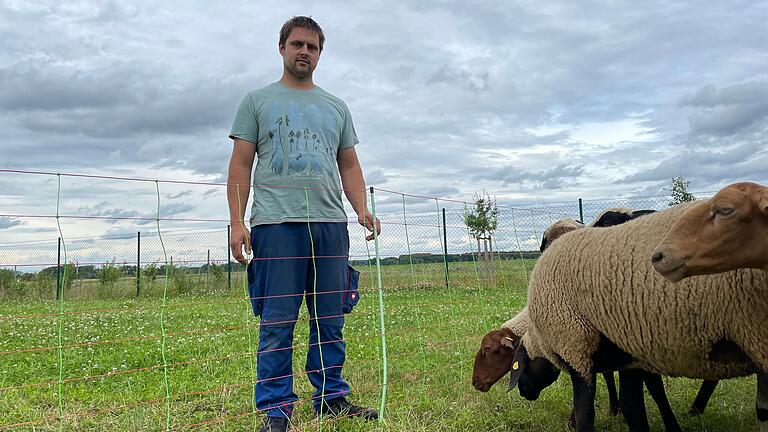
(762, 200)
(519, 363)
(543, 243)
(508, 342)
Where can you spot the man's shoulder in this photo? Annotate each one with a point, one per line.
(326, 94)
(330, 97)
(265, 91)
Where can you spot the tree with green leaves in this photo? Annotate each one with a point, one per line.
(482, 221)
(108, 274)
(680, 193)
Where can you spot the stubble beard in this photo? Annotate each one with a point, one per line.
(301, 73)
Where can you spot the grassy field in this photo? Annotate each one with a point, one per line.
(113, 375)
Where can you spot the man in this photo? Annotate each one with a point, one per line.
(305, 141)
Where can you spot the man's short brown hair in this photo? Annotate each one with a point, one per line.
(302, 22)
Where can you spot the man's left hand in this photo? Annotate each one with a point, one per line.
(368, 222)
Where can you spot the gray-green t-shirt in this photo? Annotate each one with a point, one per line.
(297, 135)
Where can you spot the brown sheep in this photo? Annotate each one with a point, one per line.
(726, 232)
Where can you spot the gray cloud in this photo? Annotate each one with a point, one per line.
(728, 110)
(149, 90)
(8, 222)
(553, 178)
(180, 194)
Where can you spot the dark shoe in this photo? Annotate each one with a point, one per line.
(341, 407)
(274, 424)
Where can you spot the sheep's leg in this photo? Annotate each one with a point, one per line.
(583, 401)
(656, 389)
(762, 401)
(613, 398)
(702, 397)
(632, 400)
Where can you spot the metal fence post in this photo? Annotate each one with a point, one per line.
(138, 263)
(581, 211)
(229, 258)
(58, 272)
(445, 248)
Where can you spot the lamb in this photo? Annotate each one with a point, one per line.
(725, 232)
(595, 304)
(494, 359)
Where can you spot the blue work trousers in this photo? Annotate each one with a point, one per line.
(281, 273)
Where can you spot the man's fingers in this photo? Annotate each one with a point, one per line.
(237, 251)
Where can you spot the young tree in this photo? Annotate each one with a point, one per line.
(680, 193)
(482, 222)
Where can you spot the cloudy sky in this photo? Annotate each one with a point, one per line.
(531, 101)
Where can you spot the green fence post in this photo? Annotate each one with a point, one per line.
(138, 263)
(445, 248)
(58, 272)
(229, 259)
(381, 311)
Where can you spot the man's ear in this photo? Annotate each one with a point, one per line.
(519, 363)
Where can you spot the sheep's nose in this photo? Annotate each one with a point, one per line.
(658, 256)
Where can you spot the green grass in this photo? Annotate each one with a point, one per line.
(432, 334)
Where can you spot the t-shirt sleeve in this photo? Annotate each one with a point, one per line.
(246, 125)
(348, 134)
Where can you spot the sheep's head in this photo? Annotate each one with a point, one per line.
(531, 376)
(494, 358)
(558, 229)
(618, 216)
(611, 217)
(725, 232)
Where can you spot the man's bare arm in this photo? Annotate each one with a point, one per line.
(239, 178)
(354, 188)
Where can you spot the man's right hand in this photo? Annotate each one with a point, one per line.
(241, 239)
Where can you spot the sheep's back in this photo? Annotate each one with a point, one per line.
(599, 281)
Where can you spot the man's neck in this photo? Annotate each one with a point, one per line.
(290, 80)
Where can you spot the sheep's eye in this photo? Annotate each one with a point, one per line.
(724, 211)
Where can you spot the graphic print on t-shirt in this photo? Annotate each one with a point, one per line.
(299, 149)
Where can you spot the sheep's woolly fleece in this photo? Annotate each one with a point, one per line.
(562, 226)
(600, 281)
(519, 323)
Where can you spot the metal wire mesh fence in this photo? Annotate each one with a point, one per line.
(154, 330)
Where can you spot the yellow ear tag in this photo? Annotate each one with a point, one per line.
(508, 338)
(515, 366)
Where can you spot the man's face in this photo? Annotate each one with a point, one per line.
(301, 52)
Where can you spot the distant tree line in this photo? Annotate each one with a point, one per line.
(424, 258)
